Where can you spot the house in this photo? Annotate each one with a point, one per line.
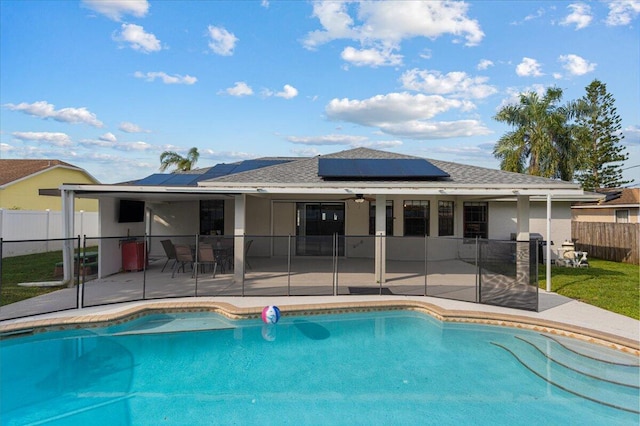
(29, 184)
(618, 206)
(609, 228)
(394, 199)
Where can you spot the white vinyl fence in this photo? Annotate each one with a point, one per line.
(19, 225)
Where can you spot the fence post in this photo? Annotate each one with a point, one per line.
(426, 244)
(76, 268)
(196, 266)
(1, 243)
(289, 265)
(478, 273)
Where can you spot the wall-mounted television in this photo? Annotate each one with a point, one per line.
(131, 211)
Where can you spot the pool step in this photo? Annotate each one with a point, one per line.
(603, 377)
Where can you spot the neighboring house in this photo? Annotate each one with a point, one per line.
(359, 192)
(609, 228)
(29, 184)
(619, 206)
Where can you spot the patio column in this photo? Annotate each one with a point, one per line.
(68, 213)
(238, 240)
(522, 241)
(381, 241)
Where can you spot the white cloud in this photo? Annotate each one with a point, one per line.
(416, 129)
(529, 68)
(134, 146)
(404, 114)
(4, 147)
(128, 127)
(576, 65)
(166, 78)
(51, 138)
(138, 38)
(93, 143)
(456, 84)
(240, 89)
(348, 140)
(484, 64)
(108, 137)
(45, 110)
(221, 41)
(384, 25)
(305, 152)
(622, 12)
(371, 57)
(393, 107)
(327, 140)
(580, 16)
(631, 135)
(288, 92)
(115, 9)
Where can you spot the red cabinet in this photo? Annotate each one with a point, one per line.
(133, 255)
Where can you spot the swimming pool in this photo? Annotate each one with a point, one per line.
(391, 367)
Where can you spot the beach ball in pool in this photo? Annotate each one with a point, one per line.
(270, 314)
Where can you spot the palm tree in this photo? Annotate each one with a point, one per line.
(173, 159)
(542, 135)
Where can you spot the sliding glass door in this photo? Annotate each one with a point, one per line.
(317, 225)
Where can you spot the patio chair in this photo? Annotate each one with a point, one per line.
(170, 251)
(183, 256)
(206, 257)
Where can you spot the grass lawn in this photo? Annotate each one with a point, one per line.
(28, 268)
(609, 285)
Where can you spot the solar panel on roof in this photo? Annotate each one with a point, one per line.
(181, 179)
(154, 179)
(399, 168)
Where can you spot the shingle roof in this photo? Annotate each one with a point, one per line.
(305, 172)
(616, 197)
(13, 170)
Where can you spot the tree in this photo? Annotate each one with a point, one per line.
(541, 143)
(600, 165)
(173, 159)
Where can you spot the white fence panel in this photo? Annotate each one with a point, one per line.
(17, 225)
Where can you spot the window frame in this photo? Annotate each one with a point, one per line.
(216, 223)
(415, 206)
(481, 226)
(617, 218)
(446, 218)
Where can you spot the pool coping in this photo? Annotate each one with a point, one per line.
(232, 311)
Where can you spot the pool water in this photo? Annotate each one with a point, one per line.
(396, 367)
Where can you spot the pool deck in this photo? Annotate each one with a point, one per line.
(558, 314)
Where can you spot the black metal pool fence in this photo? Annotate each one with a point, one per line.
(124, 269)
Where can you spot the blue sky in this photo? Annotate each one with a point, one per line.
(110, 85)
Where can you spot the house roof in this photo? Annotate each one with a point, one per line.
(299, 176)
(625, 197)
(304, 172)
(192, 177)
(15, 170)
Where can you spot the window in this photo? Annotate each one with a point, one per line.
(622, 216)
(416, 218)
(212, 217)
(476, 220)
(372, 218)
(445, 218)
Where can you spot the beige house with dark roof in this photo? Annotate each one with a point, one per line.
(29, 184)
(618, 206)
(312, 199)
